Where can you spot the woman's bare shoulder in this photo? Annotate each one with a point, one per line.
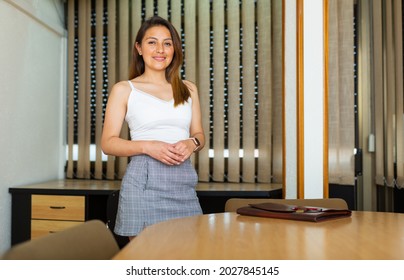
(121, 87)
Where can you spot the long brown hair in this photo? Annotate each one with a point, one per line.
(180, 90)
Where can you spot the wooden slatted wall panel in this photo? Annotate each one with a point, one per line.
(83, 56)
(136, 22)
(190, 35)
(265, 84)
(190, 46)
(123, 60)
(378, 90)
(389, 95)
(218, 90)
(207, 62)
(99, 31)
(398, 35)
(149, 8)
(70, 89)
(341, 120)
(248, 61)
(233, 89)
(276, 134)
(112, 69)
(163, 8)
(203, 83)
(176, 18)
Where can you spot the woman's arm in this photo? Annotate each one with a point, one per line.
(115, 112)
(196, 129)
(187, 146)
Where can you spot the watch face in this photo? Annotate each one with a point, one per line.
(197, 142)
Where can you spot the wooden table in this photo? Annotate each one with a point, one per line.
(365, 235)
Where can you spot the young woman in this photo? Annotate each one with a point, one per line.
(164, 118)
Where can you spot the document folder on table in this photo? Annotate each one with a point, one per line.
(293, 212)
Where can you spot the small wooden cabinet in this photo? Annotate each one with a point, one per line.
(53, 213)
(43, 208)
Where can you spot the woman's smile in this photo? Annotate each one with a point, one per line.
(159, 58)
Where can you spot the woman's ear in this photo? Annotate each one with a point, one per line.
(138, 48)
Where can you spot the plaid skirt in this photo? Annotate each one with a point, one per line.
(152, 191)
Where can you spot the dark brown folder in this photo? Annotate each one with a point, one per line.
(293, 212)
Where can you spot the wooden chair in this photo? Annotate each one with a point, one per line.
(234, 203)
(91, 240)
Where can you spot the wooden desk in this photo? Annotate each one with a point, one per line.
(365, 235)
(96, 194)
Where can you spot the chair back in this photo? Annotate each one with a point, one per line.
(91, 240)
(234, 203)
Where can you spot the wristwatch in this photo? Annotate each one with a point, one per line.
(196, 142)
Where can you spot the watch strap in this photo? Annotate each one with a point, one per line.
(196, 142)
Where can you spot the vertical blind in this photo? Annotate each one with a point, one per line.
(388, 92)
(383, 61)
(232, 51)
(341, 125)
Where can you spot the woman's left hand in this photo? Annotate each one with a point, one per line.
(185, 147)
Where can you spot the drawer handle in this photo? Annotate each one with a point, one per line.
(57, 207)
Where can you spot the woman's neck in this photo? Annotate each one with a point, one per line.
(154, 77)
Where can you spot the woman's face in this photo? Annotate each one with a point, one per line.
(156, 48)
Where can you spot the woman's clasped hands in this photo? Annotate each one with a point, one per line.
(171, 154)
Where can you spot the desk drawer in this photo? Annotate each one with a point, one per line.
(58, 207)
(44, 227)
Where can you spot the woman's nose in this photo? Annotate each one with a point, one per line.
(160, 48)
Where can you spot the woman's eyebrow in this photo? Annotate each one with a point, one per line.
(154, 38)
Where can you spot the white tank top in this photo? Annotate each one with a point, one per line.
(151, 118)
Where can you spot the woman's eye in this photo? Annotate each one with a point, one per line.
(151, 42)
(168, 44)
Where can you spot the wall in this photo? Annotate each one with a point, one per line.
(290, 85)
(311, 99)
(32, 98)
